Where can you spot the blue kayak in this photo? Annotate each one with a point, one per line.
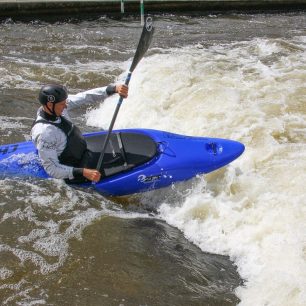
(148, 159)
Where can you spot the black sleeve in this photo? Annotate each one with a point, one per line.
(111, 89)
(77, 172)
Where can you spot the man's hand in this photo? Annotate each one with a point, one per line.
(122, 90)
(92, 174)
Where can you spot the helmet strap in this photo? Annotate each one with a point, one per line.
(51, 110)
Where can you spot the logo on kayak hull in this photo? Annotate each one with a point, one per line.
(8, 149)
(149, 179)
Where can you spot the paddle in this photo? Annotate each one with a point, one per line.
(143, 46)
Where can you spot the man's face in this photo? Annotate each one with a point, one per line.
(58, 107)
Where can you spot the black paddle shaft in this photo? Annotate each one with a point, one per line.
(143, 46)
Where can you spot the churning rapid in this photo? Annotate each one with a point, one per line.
(238, 77)
(254, 210)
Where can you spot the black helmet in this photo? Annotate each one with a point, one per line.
(52, 93)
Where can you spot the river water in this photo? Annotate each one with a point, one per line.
(235, 236)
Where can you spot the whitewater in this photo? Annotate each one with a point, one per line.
(234, 76)
(254, 210)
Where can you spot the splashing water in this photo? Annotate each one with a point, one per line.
(235, 82)
(255, 209)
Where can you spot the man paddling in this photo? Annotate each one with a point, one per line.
(60, 144)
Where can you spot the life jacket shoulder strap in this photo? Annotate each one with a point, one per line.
(65, 125)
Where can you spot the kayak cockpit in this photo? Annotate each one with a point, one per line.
(125, 150)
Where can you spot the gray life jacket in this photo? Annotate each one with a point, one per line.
(76, 144)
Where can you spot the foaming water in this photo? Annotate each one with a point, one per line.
(239, 77)
(254, 210)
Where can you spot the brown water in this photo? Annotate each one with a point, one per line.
(235, 76)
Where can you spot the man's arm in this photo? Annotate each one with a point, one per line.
(49, 145)
(52, 166)
(47, 152)
(96, 95)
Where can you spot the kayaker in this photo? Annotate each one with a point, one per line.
(60, 144)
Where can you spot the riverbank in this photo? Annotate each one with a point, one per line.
(22, 8)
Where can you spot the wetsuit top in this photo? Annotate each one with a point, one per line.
(60, 144)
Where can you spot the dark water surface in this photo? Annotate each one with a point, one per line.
(63, 246)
